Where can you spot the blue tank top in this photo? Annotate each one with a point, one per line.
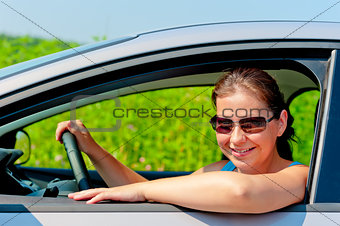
(230, 166)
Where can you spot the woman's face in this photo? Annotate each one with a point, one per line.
(249, 151)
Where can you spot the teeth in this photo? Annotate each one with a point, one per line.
(238, 151)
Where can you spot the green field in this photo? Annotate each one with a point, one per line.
(16, 49)
(150, 143)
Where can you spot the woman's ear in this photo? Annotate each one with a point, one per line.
(282, 122)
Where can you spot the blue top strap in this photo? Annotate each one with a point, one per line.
(295, 163)
(230, 166)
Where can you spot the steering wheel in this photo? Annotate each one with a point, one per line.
(76, 161)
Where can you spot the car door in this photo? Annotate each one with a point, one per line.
(45, 210)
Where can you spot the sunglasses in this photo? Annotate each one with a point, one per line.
(248, 125)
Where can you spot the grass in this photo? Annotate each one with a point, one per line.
(16, 49)
(302, 109)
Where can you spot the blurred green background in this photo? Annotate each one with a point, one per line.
(156, 144)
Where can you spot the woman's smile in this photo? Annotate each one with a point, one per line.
(240, 152)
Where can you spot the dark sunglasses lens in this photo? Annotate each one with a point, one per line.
(224, 125)
(253, 125)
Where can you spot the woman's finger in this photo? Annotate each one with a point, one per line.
(62, 126)
(101, 197)
(76, 126)
(87, 194)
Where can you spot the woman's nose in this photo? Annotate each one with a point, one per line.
(237, 135)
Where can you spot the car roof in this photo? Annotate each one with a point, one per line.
(31, 72)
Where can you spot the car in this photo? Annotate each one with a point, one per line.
(302, 55)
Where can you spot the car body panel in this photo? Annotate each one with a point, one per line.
(53, 211)
(327, 188)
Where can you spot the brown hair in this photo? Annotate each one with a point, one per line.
(266, 89)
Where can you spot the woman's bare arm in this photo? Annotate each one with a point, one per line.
(214, 191)
(113, 172)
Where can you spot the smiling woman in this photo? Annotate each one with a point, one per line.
(250, 143)
(256, 92)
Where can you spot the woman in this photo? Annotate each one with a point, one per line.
(253, 128)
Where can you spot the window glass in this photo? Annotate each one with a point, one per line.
(162, 130)
(303, 109)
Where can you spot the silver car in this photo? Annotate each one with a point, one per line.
(303, 56)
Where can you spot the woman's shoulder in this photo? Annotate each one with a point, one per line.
(289, 167)
(216, 166)
(285, 164)
(296, 163)
(294, 167)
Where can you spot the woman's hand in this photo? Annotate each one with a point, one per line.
(127, 193)
(77, 128)
(110, 169)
